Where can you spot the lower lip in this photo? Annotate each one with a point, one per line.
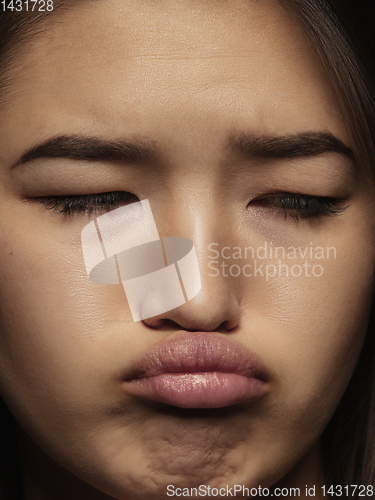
(198, 390)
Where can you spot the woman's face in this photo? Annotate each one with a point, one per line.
(229, 103)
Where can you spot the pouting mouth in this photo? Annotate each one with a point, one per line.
(197, 352)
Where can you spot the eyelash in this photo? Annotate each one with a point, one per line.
(87, 203)
(299, 206)
(291, 205)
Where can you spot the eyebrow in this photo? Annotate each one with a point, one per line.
(294, 146)
(90, 149)
(95, 149)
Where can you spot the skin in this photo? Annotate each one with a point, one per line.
(185, 77)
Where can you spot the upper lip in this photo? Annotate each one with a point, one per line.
(195, 352)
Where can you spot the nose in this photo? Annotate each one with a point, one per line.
(217, 306)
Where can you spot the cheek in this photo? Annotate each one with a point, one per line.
(313, 328)
(60, 332)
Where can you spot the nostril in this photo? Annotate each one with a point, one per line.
(160, 323)
(198, 317)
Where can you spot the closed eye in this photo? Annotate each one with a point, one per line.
(87, 203)
(301, 206)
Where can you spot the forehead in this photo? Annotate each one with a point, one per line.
(145, 65)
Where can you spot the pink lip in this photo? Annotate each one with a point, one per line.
(198, 370)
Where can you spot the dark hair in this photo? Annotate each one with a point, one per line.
(342, 33)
